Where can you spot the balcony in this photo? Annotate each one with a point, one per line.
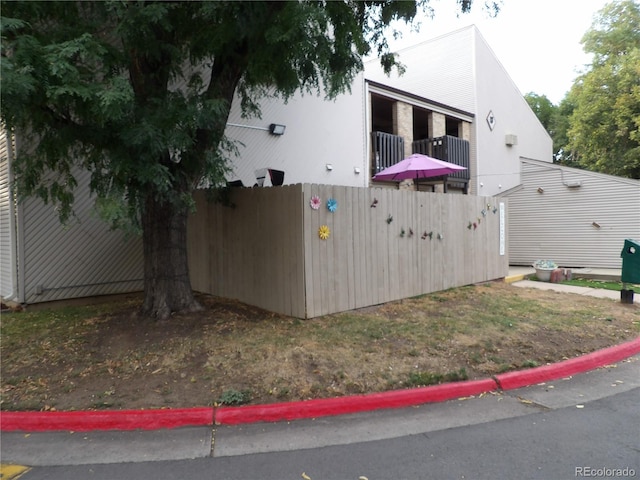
(388, 150)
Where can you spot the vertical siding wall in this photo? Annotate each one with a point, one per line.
(266, 251)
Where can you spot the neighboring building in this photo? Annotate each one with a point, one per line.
(577, 218)
(43, 260)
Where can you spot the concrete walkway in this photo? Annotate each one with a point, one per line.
(518, 276)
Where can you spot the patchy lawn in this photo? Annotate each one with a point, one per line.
(105, 356)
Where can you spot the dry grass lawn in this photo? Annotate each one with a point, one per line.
(105, 356)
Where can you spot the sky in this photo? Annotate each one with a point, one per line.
(537, 41)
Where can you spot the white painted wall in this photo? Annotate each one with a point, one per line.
(460, 70)
(439, 69)
(318, 132)
(498, 166)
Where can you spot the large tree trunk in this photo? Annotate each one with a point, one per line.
(167, 287)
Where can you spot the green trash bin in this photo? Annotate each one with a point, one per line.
(631, 261)
(630, 268)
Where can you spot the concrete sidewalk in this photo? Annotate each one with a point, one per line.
(558, 287)
(518, 276)
(517, 273)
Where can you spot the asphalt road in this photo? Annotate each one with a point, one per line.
(584, 427)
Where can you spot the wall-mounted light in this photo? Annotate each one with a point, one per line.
(356, 170)
(329, 167)
(275, 129)
(540, 190)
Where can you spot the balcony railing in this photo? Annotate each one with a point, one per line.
(388, 150)
(450, 149)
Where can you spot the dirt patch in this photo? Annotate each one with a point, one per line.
(108, 357)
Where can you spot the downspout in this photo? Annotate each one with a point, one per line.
(17, 227)
(366, 161)
(15, 293)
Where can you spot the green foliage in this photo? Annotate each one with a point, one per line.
(604, 133)
(234, 397)
(421, 379)
(139, 93)
(543, 108)
(561, 150)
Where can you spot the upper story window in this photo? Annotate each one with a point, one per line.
(382, 114)
(420, 123)
(453, 127)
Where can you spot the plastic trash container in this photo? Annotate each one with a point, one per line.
(630, 268)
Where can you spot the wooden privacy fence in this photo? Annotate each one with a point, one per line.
(382, 245)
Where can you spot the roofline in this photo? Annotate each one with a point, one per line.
(432, 104)
(555, 166)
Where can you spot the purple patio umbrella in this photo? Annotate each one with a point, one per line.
(417, 166)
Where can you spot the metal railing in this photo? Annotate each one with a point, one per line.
(388, 150)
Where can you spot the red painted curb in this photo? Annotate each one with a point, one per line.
(353, 404)
(590, 361)
(85, 421)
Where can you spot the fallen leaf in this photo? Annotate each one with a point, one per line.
(579, 406)
(305, 476)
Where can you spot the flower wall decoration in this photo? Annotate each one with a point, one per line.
(315, 202)
(332, 205)
(324, 232)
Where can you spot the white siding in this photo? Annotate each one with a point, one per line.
(498, 163)
(582, 226)
(84, 258)
(440, 69)
(318, 132)
(460, 70)
(7, 222)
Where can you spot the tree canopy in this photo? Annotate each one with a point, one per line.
(138, 93)
(604, 132)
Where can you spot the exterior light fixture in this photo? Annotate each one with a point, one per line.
(329, 166)
(275, 129)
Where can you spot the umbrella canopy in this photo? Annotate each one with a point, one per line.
(417, 166)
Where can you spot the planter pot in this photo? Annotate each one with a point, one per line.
(544, 274)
